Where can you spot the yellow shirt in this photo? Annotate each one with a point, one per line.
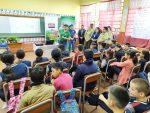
(103, 37)
(37, 94)
(88, 34)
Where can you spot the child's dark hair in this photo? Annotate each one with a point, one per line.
(80, 47)
(56, 54)
(57, 65)
(61, 47)
(146, 54)
(39, 53)
(8, 58)
(132, 54)
(37, 75)
(128, 44)
(118, 45)
(106, 28)
(10, 75)
(20, 54)
(103, 45)
(119, 95)
(114, 41)
(88, 53)
(110, 54)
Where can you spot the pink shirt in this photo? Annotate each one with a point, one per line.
(126, 70)
(63, 82)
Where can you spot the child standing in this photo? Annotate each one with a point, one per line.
(61, 81)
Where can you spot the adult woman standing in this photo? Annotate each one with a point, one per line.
(96, 34)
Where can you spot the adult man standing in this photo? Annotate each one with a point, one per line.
(64, 36)
(88, 35)
(72, 40)
(81, 35)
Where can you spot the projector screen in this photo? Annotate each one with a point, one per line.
(19, 25)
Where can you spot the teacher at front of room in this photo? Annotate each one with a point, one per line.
(64, 36)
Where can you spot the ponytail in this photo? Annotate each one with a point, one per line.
(132, 54)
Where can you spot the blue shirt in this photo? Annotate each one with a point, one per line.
(95, 35)
(72, 33)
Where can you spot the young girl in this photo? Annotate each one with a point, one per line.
(61, 81)
(106, 57)
(123, 69)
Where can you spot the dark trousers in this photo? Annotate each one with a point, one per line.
(81, 41)
(87, 44)
(113, 70)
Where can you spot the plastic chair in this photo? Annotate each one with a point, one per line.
(89, 79)
(16, 86)
(57, 101)
(46, 105)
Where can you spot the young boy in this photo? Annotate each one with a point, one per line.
(79, 51)
(39, 91)
(20, 54)
(139, 89)
(61, 81)
(93, 47)
(118, 98)
(64, 53)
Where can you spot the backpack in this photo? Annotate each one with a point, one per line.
(69, 105)
(14, 100)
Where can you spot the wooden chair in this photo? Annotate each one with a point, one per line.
(42, 64)
(89, 79)
(96, 56)
(146, 65)
(79, 58)
(16, 86)
(68, 60)
(46, 106)
(57, 100)
(134, 71)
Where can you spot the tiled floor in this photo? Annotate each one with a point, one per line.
(31, 56)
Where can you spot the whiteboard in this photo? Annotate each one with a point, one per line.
(141, 24)
(19, 25)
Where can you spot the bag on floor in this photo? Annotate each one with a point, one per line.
(14, 100)
(69, 105)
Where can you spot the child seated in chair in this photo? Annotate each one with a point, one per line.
(118, 98)
(79, 51)
(139, 89)
(39, 58)
(20, 54)
(39, 91)
(61, 81)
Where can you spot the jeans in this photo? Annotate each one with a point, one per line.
(71, 44)
(64, 43)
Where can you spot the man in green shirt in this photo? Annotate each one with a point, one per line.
(88, 35)
(64, 36)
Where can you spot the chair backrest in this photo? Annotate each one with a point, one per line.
(123, 59)
(96, 56)
(146, 65)
(109, 62)
(46, 105)
(57, 100)
(16, 86)
(79, 58)
(42, 64)
(134, 71)
(68, 60)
